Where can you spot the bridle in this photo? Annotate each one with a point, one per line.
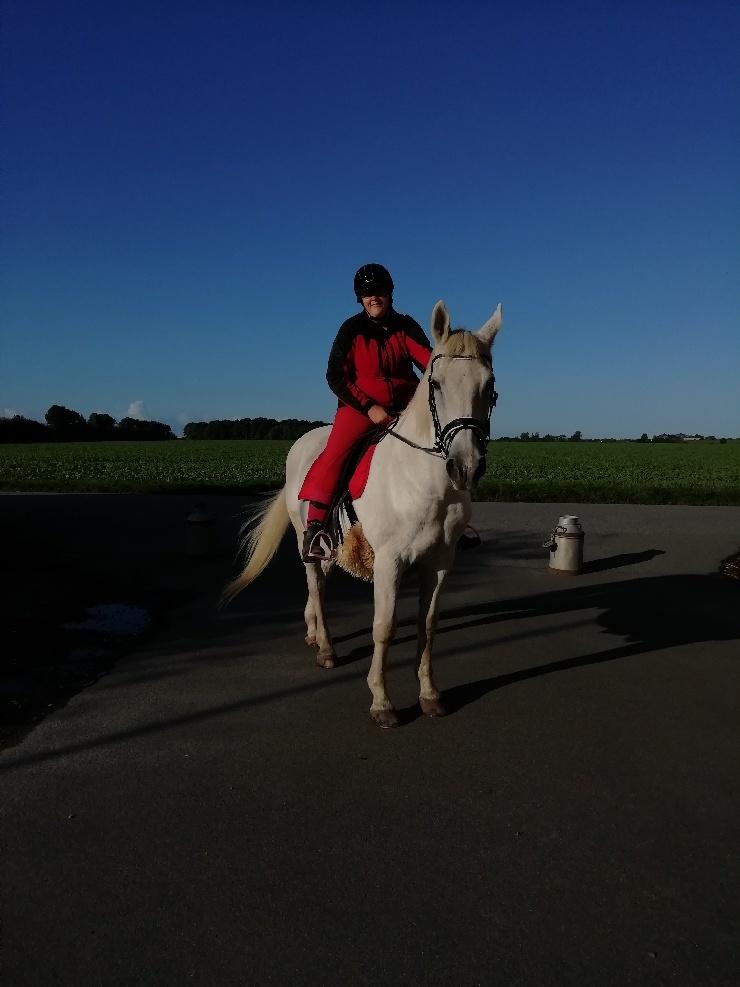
(444, 435)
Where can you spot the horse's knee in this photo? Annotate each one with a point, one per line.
(384, 631)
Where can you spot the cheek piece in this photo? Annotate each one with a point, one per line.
(443, 435)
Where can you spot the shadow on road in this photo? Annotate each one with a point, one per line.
(650, 614)
(619, 561)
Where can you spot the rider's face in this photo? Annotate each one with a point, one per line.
(376, 306)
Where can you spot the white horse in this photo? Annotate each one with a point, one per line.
(415, 505)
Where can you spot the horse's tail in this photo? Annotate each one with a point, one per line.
(262, 534)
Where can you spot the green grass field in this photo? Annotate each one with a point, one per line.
(681, 473)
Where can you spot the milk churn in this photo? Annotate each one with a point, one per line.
(198, 532)
(566, 546)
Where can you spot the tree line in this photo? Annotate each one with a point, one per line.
(536, 437)
(65, 425)
(578, 437)
(250, 428)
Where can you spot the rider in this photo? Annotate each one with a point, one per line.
(371, 371)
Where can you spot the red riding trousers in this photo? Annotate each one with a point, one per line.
(322, 478)
(370, 363)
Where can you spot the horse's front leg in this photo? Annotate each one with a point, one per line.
(431, 581)
(386, 577)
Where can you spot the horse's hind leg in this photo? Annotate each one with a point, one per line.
(431, 581)
(317, 631)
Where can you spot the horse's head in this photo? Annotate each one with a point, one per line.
(461, 394)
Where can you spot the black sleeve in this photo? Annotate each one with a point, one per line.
(340, 372)
(417, 342)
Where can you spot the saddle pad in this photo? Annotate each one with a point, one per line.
(359, 477)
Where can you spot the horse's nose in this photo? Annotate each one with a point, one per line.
(480, 469)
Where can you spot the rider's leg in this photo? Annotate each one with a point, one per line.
(317, 543)
(317, 511)
(322, 478)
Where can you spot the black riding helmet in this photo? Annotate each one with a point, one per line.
(373, 279)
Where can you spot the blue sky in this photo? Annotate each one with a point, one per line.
(188, 189)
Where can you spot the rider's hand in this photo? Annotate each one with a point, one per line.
(378, 415)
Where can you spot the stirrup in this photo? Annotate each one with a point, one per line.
(469, 539)
(317, 544)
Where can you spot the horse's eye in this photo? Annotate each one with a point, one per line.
(436, 385)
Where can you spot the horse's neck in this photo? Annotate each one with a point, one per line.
(415, 423)
(402, 460)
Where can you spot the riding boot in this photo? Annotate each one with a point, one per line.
(317, 543)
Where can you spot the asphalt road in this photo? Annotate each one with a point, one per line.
(217, 810)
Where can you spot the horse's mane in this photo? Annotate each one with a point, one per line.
(460, 342)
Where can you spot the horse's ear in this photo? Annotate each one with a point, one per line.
(489, 330)
(440, 322)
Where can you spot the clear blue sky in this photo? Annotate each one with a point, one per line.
(188, 188)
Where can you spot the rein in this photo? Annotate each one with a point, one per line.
(443, 436)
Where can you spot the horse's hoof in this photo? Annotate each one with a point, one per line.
(432, 707)
(385, 718)
(310, 640)
(326, 659)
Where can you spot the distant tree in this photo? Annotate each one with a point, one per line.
(219, 430)
(136, 429)
(242, 429)
(63, 418)
(576, 437)
(195, 430)
(20, 429)
(100, 420)
(261, 426)
(644, 437)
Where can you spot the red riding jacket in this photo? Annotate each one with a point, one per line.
(372, 362)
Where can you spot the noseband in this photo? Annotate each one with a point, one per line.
(444, 435)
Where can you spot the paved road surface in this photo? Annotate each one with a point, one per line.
(216, 810)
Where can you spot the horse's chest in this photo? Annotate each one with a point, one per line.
(441, 525)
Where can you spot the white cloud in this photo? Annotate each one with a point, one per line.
(136, 410)
(10, 413)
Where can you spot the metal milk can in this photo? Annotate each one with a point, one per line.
(566, 546)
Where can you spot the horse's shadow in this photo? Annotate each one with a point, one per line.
(650, 614)
(597, 565)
